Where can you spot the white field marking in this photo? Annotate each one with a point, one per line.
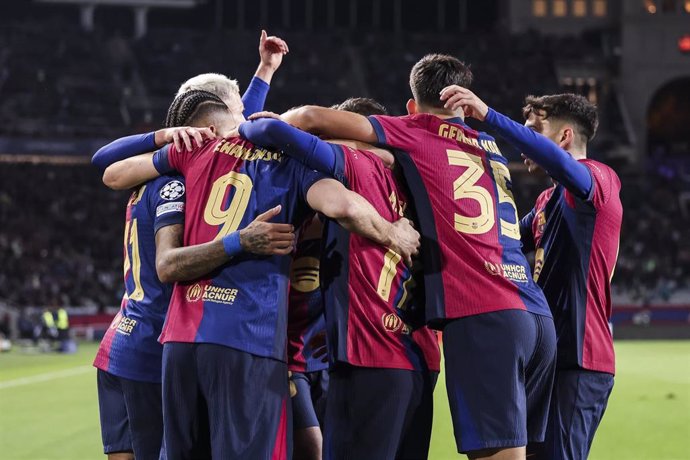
(47, 377)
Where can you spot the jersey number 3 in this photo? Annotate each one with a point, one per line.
(466, 187)
(230, 217)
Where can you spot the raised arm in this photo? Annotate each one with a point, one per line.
(357, 215)
(175, 262)
(271, 50)
(558, 163)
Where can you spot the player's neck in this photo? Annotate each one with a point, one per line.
(443, 113)
(578, 153)
(229, 130)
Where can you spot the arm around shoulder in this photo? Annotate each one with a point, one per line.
(129, 173)
(331, 123)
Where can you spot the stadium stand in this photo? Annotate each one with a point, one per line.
(60, 240)
(129, 82)
(83, 266)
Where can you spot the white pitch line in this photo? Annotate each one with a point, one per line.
(48, 376)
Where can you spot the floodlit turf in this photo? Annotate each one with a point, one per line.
(52, 412)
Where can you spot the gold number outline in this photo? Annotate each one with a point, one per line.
(465, 187)
(229, 219)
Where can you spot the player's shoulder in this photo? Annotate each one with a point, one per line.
(602, 172)
(209, 145)
(606, 185)
(222, 144)
(422, 119)
(484, 136)
(167, 188)
(363, 154)
(414, 119)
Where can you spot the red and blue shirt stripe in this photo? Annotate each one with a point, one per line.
(576, 244)
(461, 189)
(242, 304)
(365, 285)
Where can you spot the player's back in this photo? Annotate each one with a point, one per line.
(130, 348)
(462, 191)
(243, 303)
(366, 285)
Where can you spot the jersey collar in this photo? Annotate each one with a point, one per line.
(457, 121)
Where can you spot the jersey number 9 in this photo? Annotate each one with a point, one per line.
(228, 218)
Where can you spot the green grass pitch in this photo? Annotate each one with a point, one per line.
(48, 407)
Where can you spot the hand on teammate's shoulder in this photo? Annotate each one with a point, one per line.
(184, 137)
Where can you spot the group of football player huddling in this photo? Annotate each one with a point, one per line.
(288, 277)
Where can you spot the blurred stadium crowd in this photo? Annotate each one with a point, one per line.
(60, 240)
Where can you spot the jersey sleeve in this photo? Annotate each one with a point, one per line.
(305, 147)
(396, 132)
(341, 170)
(167, 202)
(255, 96)
(123, 148)
(605, 183)
(168, 159)
(305, 178)
(557, 162)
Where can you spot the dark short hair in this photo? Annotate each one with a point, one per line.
(569, 107)
(363, 106)
(191, 106)
(434, 72)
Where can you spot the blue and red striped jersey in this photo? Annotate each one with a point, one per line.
(306, 321)
(130, 347)
(576, 242)
(365, 285)
(461, 188)
(242, 304)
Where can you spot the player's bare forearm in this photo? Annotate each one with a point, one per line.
(191, 262)
(331, 123)
(357, 215)
(265, 73)
(131, 172)
(361, 218)
(177, 263)
(350, 210)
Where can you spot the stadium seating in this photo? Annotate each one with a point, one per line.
(128, 84)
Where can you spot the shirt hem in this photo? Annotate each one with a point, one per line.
(441, 321)
(251, 351)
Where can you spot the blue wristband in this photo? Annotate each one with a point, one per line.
(232, 244)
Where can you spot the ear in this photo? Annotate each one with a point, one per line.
(213, 129)
(411, 107)
(567, 138)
